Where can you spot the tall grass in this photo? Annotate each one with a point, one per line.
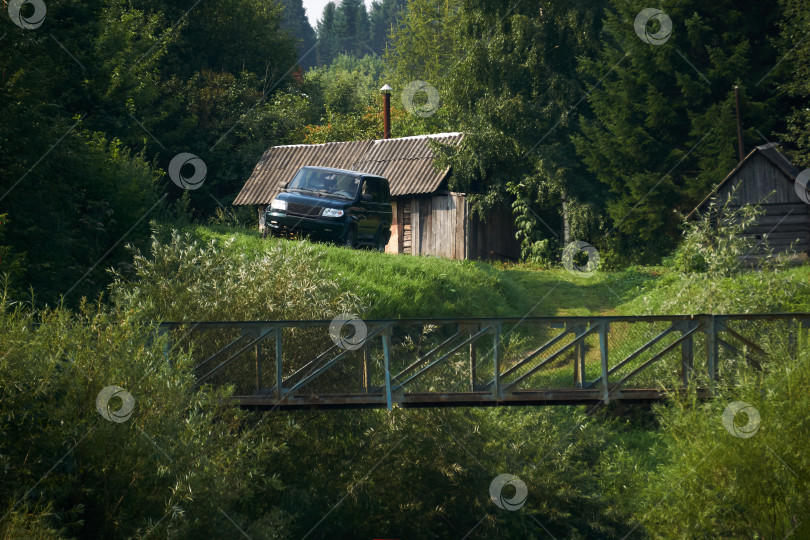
(694, 478)
(394, 286)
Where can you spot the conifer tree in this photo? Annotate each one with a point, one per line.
(795, 83)
(327, 38)
(664, 130)
(384, 18)
(294, 20)
(351, 27)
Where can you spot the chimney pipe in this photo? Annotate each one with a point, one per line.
(739, 122)
(386, 91)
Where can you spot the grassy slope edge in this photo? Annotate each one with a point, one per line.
(412, 287)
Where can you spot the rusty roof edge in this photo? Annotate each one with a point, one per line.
(311, 145)
(448, 135)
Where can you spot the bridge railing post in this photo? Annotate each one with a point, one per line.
(712, 348)
(687, 353)
(604, 327)
(579, 356)
(258, 348)
(473, 358)
(801, 336)
(164, 329)
(364, 370)
(279, 372)
(497, 393)
(794, 327)
(386, 343)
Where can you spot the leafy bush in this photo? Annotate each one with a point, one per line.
(426, 474)
(536, 250)
(717, 243)
(178, 466)
(185, 278)
(712, 483)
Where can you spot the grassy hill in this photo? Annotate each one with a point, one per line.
(401, 286)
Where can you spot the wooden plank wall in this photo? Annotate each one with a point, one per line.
(784, 224)
(494, 238)
(786, 217)
(441, 225)
(416, 226)
(407, 230)
(756, 180)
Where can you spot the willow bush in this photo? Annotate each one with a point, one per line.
(177, 466)
(184, 278)
(712, 482)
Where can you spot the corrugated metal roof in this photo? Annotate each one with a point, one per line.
(407, 162)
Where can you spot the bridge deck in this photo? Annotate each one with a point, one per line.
(454, 399)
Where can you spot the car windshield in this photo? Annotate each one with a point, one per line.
(328, 184)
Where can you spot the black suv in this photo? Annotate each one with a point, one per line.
(347, 207)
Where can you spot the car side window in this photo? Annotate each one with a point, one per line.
(372, 187)
(348, 184)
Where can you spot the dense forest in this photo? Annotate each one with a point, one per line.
(569, 114)
(128, 128)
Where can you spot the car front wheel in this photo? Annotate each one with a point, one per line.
(382, 241)
(350, 238)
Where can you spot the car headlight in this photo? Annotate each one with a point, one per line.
(332, 212)
(279, 205)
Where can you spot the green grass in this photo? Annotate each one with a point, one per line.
(785, 291)
(404, 286)
(558, 292)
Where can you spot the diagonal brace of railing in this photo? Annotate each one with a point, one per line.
(433, 364)
(309, 364)
(553, 357)
(262, 335)
(425, 358)
(686, 335)
(743, 339)
(543, 348)
(674, 327)
(329, 365)
(222, 351)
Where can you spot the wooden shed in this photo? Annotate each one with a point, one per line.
(428, 218)
(767, 175)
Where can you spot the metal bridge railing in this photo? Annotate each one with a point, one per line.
(436, 362)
